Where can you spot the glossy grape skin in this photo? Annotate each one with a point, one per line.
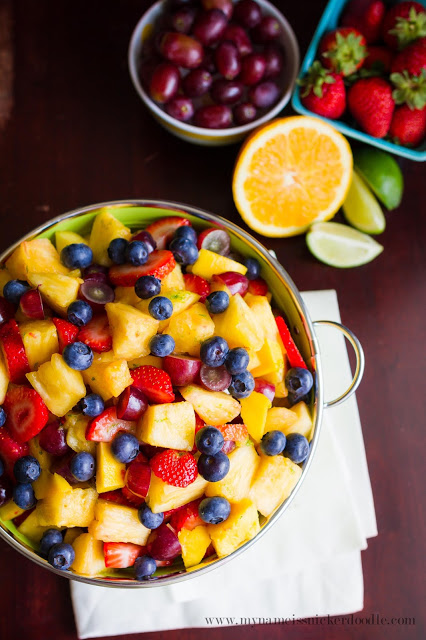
(252, 69)
(213, 117)
(267, 30)
(264, 95)
(210, 26)
(244, 113)
(238, 35)
(248, 13)
(178, 4)
(228, 60)
(181, 49)
(180, 108)
(164, 82)
(227, 91)
(209, 62)
(183, 19)
(274, 58)
(197, 83)
(225, 6)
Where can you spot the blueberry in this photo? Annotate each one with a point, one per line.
(296, 448)
(145, 566)
(23, 495)
(162, 345)
(150, 520)
(186, 232)
(209, 440)
(214, 510)
(253, 268)
(77, 256)
(213, 351)
(117, 250)
(79, 313)
(160, 308)
(3, 416)
(92, 405)
(147, 287)
(61, 556)
(237, 361)
(184, 251)
(136, 253)
(49, 538)
(213, 468)
(217, 302)
(82, 466)
(273, 443)
(27, 469)
(14, 290)
(78, 356)
(1, 467)
(242, 385)
(299, 382)
(125, 447)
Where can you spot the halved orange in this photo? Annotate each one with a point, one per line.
(290, 173)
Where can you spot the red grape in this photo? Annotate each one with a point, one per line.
(164, 82)
(213, 117)
(224, 5)
(227, 91)
(6, 490)
(181, 50)
(52, 439)
(7, 310)
(183, 19)
(236, 34)
(267, 30)
(180, 108)
(252, 68)
(177, 4)
(146, 237)
(236, 282)
(197, 83)
(209, 61)
(131, 404)
(97, 294)
(264, 95)
(248, 13)
(228, 60)
(215, 378)
(274, 58)
(210, 26)
(244, 113)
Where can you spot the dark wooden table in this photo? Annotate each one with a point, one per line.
(74, 132)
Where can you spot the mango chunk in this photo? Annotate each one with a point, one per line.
(254, 411)
(241, 525)
(209, 264)
(109, 471)
(194, 545)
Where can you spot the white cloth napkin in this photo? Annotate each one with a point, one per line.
(307, 564)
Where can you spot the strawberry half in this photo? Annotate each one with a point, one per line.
(258, 287)
(159, 264)
(67, 332)
(234, 432)
(11, 451)
(104, 427)
(186, 517)
(197, 284)
(176, 468)
(26, 413)
(293, 353)
(14, 352)
(96, 334)
(164, 229)
(120, 555)
(155, 383)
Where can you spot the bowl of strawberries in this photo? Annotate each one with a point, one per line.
(365, 71)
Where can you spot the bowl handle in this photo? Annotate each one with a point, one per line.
(360, 361)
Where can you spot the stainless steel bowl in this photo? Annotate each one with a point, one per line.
(138, 213)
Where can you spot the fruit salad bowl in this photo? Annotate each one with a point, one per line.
(296, 332)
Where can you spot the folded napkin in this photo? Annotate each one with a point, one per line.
(307, 564)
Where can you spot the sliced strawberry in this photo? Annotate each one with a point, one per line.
(97, 334)
(258, 287)
(120, 555)
(32, 305)
(138, 478)
(293, 352)
(186, 517)
(20, 519)
(234, 432)
(154, 382)
(132, 498)
(163, 230)
(26, 413)
(11, 451)
(104, 427)
(159, 264)
(14, 352)
(168, 514)
(115, 496)
(197, 284)
(67, 332)
(176, 468)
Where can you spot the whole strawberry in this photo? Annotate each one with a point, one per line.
(409, 75)
(371, 104)
(412, 59)
(323, 92)
(378, 59)
(404, 23)
(408, 126)
(366, 16)
(343, 50)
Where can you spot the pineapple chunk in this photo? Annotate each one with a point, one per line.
(194, 545)
(35, 256)
(131, 330)
(263, 314)
(280, 419)
(44, 458)
(9, 511)
(163, 497)
(241, 525)
(303, 423)
(4, 379)
(170, 425)
(42, 484)
(254, 360)
(109, 471)
(58, 290)
(238, 323)
(190, 328)
(31, 528)
(60, 386)
(89, 555)
(106, 228)
(75, 426)
(154, 361)
(181, 300)
(209, 263)
(4, 277)
(275, 479)
(126, 295)
(40, 341)
(72, 533)
(271, 360)
(116, 523)
(107, 377)
(236, 484)
(64, 238)
(214, 407)
(254, 411)
(173, 280)
(75, 508)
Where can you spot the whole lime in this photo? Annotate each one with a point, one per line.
(382, 173)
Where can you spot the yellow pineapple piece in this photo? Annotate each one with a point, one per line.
(254, 360)
(190, 328)
(75, 426)
(170, 425)
(9, 511)
(216, 285)
(35, 256)
(271, 360)
(236, 484)
(180, 300)
(106, 228)
(280, 419)
(4, 277)
(154, 361)
(89, 555)
(209, 263)
(75, 508)
(214, 407)
(239, 325)
(163, 497)
(275, 479)
(254, 410)
(117, 523)
(126, 295)
(194, 545)
(60, 386)
(57, 486)
(42, 484)
(64, 238)
(109, 471)
(4, 379)
(72, 533)
(131, 330)
(44, 458)
(241, 525)
(31, 528)
(40, 341)
(107, 377)
(263, 313)
(303, 423)
(173, 280)
(58, 290)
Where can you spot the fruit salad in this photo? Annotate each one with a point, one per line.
(153, 404)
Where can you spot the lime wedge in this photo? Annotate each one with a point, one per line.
(361, 208)
(341, 246)
(382, 174)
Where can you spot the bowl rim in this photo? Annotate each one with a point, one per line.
(315, 359)
(184, 127)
